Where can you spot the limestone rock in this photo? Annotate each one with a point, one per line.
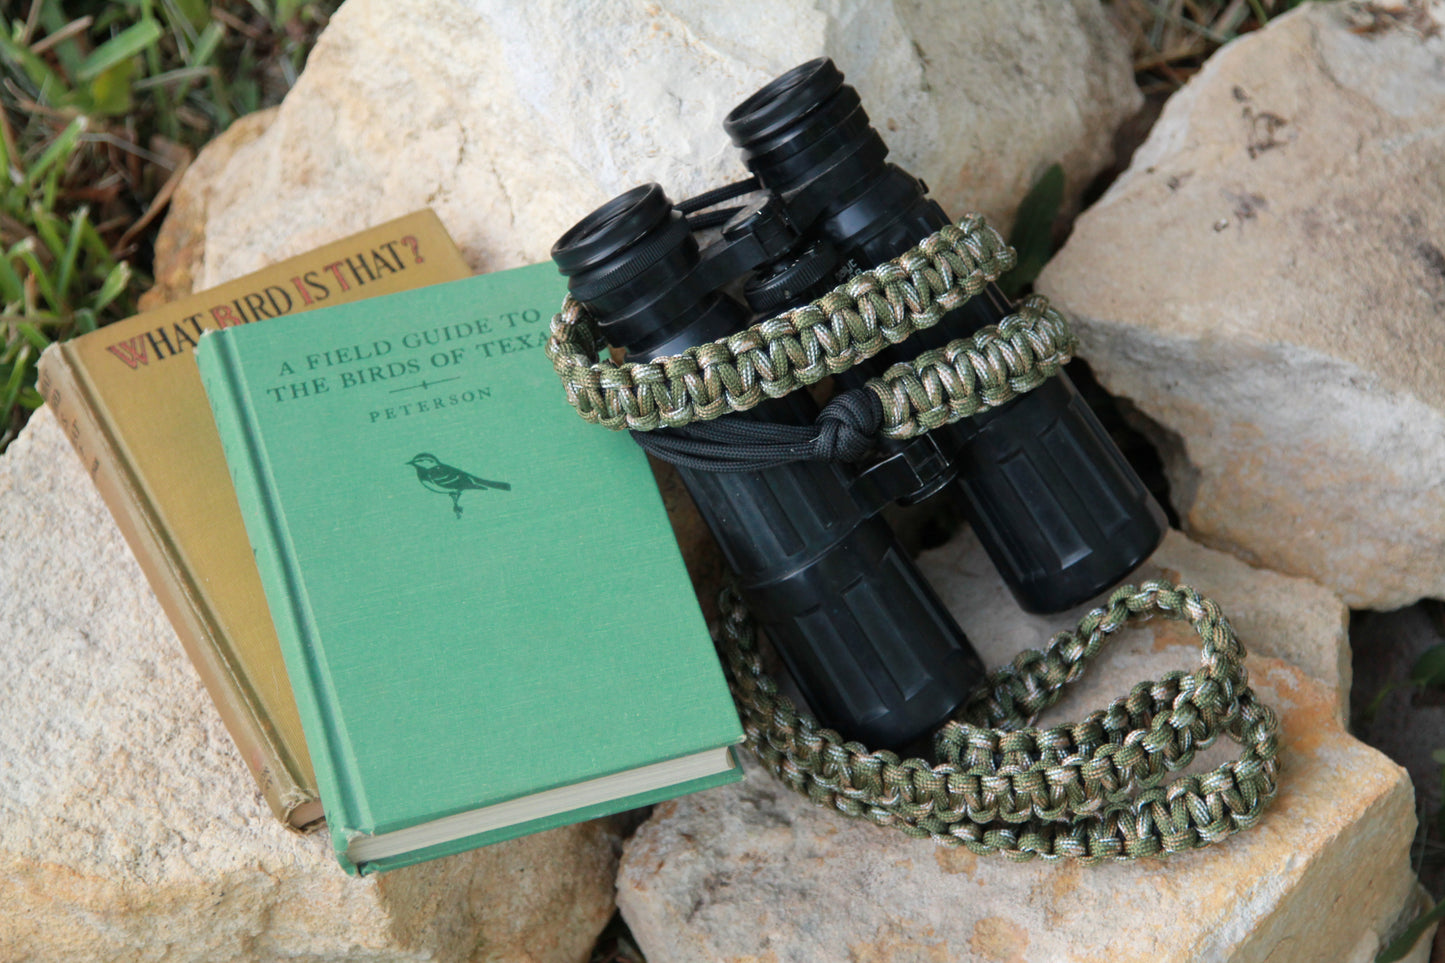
(181, 244)
(754, 872)
(1265, 283)
(513, 121)
(130, 828)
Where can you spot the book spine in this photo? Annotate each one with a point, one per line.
(87, 426)
(224, 382)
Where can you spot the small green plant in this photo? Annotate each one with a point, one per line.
(1400, 947)
(1032, 236)
(102, 106)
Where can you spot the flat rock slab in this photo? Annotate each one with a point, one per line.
(1265, 283)
(513, 121)
(753, 872)
(130, 827)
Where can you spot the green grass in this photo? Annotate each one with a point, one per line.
(102, 106)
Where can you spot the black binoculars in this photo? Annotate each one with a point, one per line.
(1061, 513)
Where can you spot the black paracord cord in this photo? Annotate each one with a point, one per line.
(846, 430)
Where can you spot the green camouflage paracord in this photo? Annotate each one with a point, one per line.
(853, 322)
(1088, 790)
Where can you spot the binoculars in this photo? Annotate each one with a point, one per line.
(1060, 512)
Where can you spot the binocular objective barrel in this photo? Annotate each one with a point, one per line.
(871, 647)
(1061, 513)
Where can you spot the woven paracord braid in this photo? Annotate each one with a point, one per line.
(1088, 790)
(969, 375)
(852, 322)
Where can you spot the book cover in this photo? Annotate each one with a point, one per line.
(481, 603)
(130, 401)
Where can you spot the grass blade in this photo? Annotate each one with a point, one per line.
(59, 150)
(1397, 950)
(32, 334)
(11, 286)
(181, 75)
(38, 72)
(95, 244)
(20, 367)
(112, 93)
(129, 42)
(60, 33)
(47, 228)
(1033, 231)
(206, 44)
(84, 321)
(115, 284)
(65, 270)
(43, 281)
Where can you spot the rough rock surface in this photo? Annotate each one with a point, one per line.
(753, 872)
(513, 121)
(1265, 283)
(181, 245)
(130, 828)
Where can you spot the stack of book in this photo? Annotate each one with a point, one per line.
(428, 600)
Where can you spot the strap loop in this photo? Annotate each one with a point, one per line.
(1089, 790)
(852, 322)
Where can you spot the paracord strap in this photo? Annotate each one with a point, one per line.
(1090, 790)
(852, 322)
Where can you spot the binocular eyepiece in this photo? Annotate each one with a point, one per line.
(1055, 504)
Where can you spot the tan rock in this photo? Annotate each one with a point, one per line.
(130, 828)
(513, 121)
(1265, 283)
(754, 872)
(180, 249)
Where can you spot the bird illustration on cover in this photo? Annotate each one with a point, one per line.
(446, 480)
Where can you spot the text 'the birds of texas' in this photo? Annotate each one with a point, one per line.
(446, 480)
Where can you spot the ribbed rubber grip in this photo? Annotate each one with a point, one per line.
(1059, 510)
(872, 648)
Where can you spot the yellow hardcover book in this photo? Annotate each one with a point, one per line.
(130, 399)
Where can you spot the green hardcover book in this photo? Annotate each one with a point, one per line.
(480, 602)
